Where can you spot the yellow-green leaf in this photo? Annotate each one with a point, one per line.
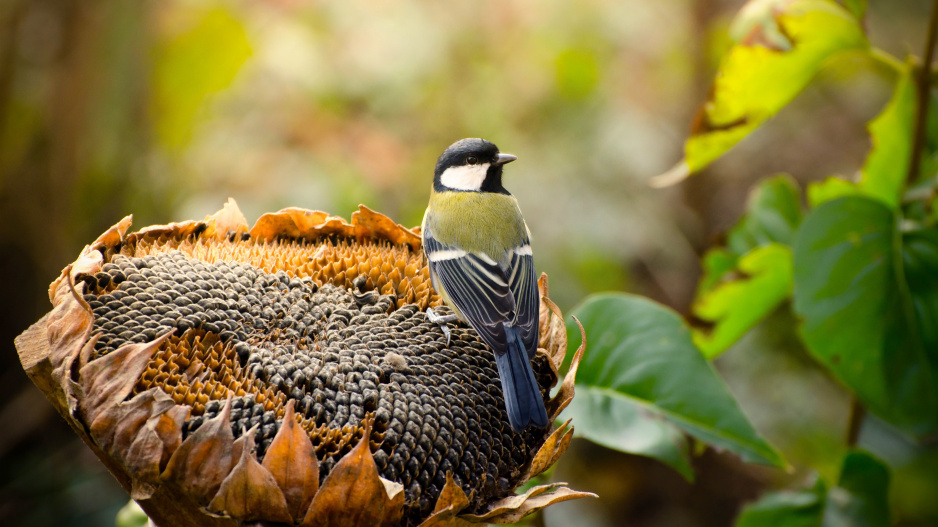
(887, 166)
(829, 189)
(782, 44)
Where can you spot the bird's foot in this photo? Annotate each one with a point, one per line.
(442, 320)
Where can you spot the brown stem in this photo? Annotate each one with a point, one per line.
(857, 413)
(923, 92)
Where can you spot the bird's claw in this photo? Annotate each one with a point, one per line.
(442, 321)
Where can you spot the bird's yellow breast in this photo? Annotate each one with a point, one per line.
(479, 222)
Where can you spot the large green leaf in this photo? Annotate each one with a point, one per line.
(748, 279)
(781, 44)
(622, 424)
(764, 278)
(860, 499)
(868, 296)
(641, 355)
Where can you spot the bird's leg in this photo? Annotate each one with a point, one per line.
(442, 320)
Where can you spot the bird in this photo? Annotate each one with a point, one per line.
(478, 250)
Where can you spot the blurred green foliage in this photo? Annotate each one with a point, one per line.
(861, 269)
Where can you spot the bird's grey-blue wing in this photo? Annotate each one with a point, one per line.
(522, 281)
(478, 286)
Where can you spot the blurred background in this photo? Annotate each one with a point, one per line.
(165, 109)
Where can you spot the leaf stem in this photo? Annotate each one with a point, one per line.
(857, 413)
(923, 92)
(887, 59)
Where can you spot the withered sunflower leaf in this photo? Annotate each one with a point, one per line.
(513, 508)
(250, 492)
(292, 462)
(205, 458)
(69, 324)
(536, 503)
(353, 493)
(109, 380)
(452, 500)
(565, 394)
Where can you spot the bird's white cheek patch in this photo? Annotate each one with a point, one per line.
(465, 177)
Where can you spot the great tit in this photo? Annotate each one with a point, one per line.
(479, 253)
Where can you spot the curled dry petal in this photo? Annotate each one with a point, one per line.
(291, 222)
(228, 220)
(365, 223)
(565, 394)
(114, 235)
(537, 502)
(371, 224)
(70, 321)
(551, 450)
(552, 329)
(354, 494)
(205, 458)
(452, 500)
(513, 508)
(292, 461)
(250, 492)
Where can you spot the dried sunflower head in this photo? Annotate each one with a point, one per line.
(287, 373)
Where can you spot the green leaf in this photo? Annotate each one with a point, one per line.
(622, 424)
(641, 352)
(801, 508)
(886, 168)
(763, 282)
(192, 65)
(868, 297)
(860, 499)
(781, 46)
(773, 213)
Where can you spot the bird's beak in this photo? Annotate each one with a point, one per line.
(505, 158)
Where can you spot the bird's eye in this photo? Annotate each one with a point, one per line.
(471, 160)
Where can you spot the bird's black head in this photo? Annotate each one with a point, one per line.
(471, 165)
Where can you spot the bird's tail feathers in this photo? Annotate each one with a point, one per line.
(522, 394)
